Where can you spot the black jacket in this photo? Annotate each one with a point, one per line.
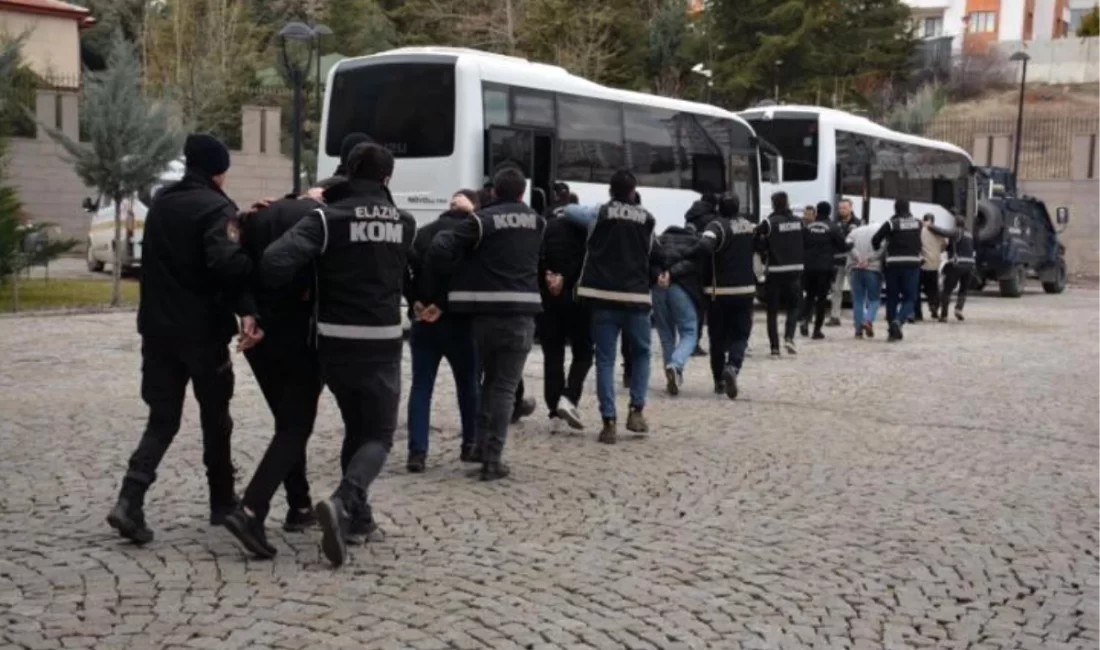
(779, 240)
(562, 252)
(700, 214)
(359, 243)
(903, 243)
(677, 244)
(821, 241)
(418, 286)
(194, 274)
(960, 250)
(494, 257)
(285, 312)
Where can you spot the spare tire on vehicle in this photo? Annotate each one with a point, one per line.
(989, 222)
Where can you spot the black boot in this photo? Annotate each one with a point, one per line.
(299, 519)
(493, 470)
(525, 407)
(221, 508)
(608, 434)
(128, 515)
(470, 454)
(249, 531)
(729, 380)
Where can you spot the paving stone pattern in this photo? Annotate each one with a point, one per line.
(940, 493)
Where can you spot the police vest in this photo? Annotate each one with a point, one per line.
(785, 252)
(732, 263)
(361, 269)
(500, 276)
(963, 251)
(616, 262)
(904, 247)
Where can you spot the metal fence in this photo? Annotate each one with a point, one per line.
(1046, 146)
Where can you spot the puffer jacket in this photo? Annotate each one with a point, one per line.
(677, 243)
(700, 214)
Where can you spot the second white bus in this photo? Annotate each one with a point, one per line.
(829, 155)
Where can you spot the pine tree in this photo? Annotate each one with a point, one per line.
(359, 27)
(130, 140)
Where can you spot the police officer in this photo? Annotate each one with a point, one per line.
(728, 241)
(285, 365)
(359, 244)
(194, 277)
(495, 260)
(779, 237)
(902, 268)
(960, 265)
(622, 259)
(822, 239)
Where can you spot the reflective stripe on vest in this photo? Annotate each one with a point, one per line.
(900, 259)
(785, 268)
(963, 260)
(494, 296)
(360, 332)
(730, 291)
(615, 296)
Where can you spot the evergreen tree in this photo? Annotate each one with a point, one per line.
(130, 140)
(1090, 23)
(359, 27)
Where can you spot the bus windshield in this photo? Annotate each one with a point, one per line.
(797, 141)
(409, 108)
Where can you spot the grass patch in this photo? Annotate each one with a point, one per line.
(64, 293)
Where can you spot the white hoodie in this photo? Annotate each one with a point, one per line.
(863, 255)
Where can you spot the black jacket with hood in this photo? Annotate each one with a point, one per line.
(700, 214)
(419, 287)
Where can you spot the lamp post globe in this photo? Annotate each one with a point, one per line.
(296, 42)
(1021, 57)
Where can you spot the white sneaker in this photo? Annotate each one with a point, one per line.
(569, 412)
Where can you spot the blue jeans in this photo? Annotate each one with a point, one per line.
(635, 328)
(450, 338)
(675, 314)
(866, 287)
(902, 285)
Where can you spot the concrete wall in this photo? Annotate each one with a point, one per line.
(50, 191)
(52, 48)
(1082, 237)
(1061, 61)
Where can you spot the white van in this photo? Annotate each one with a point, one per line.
(101, 232)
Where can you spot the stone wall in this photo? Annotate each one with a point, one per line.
(50, 191)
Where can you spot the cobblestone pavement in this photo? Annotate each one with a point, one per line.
(937, 493)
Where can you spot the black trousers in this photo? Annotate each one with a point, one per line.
(167, 365)
(930, 287)
(784, 291)
(565, 323)
(290, 378)
(730, 321)
(503, 342)
(953, 276)
(817, 284)
(367, 388)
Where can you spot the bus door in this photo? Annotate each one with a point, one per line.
(532, 150)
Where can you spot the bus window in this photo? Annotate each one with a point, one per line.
(742, 180)
(409, 108)
(797, 141)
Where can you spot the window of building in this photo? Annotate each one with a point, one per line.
(1075, 18)
(933, 26)
(980, 22)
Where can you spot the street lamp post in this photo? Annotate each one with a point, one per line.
(319, 31)
(778, 65)
(1023, 58)
(708, 76)
(296, 41)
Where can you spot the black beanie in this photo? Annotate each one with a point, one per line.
(206, 153)
(824, 209)
(350, 141)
